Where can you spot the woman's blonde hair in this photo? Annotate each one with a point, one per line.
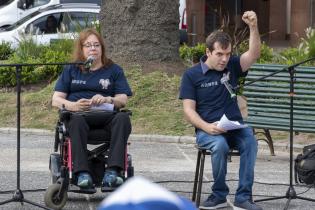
(77, 55)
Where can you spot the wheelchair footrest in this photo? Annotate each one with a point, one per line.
(76, 189)
(108, 189)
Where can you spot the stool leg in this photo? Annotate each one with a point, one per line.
(229, 157)
(196, 176)
(200, 179)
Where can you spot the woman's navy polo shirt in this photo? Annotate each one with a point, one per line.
(107, 81)
(212, 98)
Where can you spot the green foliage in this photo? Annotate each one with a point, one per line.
(185, 53)
(304, 51)
(29, 52)
(58, 52)
(28, 48)
(308, 44)
(266, 52)
(65, 45)
(290, 56)
(5, 50)
(192, 54)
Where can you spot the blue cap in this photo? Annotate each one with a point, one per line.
(140, 194)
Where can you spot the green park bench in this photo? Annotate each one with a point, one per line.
(269, 101)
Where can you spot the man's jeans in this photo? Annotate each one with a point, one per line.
(245, 142)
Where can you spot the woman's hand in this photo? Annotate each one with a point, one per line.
(82, 105)
(99, 99)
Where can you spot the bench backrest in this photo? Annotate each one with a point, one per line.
(269, 100)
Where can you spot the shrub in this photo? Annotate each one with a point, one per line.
(304, 51)
(8, 74)
(5, 50)
(290, 56)
(308, 44)
(185, 52)
(192, 54)
(266, 52)
(28, 48)
(51, 72)
(28, 52)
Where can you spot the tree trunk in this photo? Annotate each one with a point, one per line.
(141, 30)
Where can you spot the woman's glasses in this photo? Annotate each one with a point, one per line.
(89, 45)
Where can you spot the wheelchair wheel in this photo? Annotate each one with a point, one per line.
(54, 167)
(51, 197)
(130, 172)
(130, 169)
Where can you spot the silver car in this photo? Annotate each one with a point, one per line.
(52, 23)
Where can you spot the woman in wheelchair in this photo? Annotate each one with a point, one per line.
(79, 89)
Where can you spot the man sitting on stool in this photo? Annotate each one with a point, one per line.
(206, 99)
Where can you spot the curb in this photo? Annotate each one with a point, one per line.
(283, 147)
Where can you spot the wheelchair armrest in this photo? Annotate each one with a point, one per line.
(56, 144)
(64, 114)
(128, 111)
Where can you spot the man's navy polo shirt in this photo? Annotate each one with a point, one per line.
(204, 86)
(107, 81)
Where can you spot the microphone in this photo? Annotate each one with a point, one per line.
(89, 61)
(225, 81)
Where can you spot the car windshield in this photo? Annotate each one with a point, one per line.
(4, 3)
(20, 22)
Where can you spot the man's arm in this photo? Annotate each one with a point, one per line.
(253, 53)
(193, 117)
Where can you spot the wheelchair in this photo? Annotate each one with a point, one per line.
(60, 164)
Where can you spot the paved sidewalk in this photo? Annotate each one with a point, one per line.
(159, 138)
(169, 161)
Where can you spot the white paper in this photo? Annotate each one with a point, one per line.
(104, 107)
(227, 124)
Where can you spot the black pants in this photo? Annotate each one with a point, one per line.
(117, 125)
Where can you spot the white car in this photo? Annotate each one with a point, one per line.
(13, 10)
(52, 23)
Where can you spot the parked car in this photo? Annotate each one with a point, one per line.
(13, 10)
(182, 22)
(52, 23)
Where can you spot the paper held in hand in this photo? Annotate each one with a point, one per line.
(104, 107)
(227, 124)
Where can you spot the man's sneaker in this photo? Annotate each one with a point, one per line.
(213, 203)
(111, 179)
(84, 180)
(248, 205)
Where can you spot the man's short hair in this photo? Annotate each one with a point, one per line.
(221, 37)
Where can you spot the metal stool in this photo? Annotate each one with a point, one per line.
(199, 172)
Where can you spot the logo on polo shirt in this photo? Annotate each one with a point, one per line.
(78, 82)
(104, 82)
(209, 84)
